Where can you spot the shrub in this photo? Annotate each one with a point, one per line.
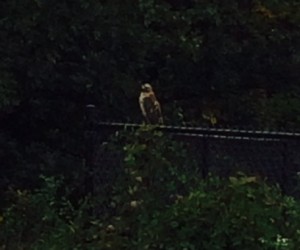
(156, 172)
(43, 218)
(239, 213)
(160, 203)
(156, 201)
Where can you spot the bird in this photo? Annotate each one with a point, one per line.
(150, 107)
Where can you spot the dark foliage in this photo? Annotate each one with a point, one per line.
(218, 63)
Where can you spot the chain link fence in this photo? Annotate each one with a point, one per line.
(274, 156)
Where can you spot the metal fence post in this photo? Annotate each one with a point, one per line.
(205, 157)
(285, 167)
(89, 148)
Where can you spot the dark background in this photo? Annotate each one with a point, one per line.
(211, 63)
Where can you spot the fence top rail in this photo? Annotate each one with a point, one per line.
(207, 132)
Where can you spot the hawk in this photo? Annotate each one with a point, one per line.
(149, 105)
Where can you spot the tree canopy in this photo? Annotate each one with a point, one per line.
(231, 62)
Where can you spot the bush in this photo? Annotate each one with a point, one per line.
(160, 203)
(156, 172)
(156, 201)
(150, 179)
(43, 219)
(239, 213)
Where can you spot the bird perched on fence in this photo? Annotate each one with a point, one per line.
(149, 105)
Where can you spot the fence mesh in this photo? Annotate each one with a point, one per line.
(270, 155)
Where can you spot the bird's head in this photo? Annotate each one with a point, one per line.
(146, 87)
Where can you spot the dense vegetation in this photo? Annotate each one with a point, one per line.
(216, 63)
(155, 201)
